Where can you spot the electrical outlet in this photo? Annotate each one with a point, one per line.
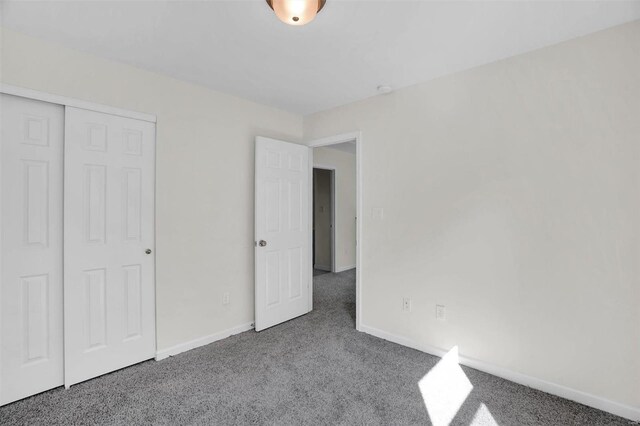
(441, 313)
(406, 304)
(225, 298)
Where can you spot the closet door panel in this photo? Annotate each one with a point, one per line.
(109, 241)
(31, 318)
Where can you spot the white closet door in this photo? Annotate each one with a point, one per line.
(109, 285)
(31, 257)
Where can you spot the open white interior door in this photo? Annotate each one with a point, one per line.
(282, 232)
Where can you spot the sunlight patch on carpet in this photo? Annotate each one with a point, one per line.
(483, 417)
(444, 389)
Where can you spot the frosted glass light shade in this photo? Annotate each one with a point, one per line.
(296, 12)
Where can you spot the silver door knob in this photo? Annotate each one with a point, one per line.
(148, 251)
(262, 243)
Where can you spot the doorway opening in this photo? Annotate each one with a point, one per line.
(335, 210)
(324, 216)
(284, 227)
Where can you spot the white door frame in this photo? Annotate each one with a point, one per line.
(333, 211)
(333, 140)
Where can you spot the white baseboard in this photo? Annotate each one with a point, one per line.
(196, 343)
(322, 268)
(345, 268)
(622, 410)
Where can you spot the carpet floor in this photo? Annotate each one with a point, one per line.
(317, 272)
(315, 369)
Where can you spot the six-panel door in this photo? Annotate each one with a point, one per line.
(282, 223)
(108, 243)
(31, 353)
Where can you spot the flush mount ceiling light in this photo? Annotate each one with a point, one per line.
(296, 12)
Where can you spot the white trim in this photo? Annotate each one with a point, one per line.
(310, 227)
(334, 211)
(77, 103)
(336, 139)
(345, 268)
(622, 410)
(155, 235)
(1, 265)
(324, 167)
(202, 341)
(332, 140)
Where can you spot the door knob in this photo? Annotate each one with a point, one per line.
(148, 251)
(262, 243)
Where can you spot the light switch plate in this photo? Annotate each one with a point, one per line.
(441, 313)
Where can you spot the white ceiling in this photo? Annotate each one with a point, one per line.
(239, 47)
